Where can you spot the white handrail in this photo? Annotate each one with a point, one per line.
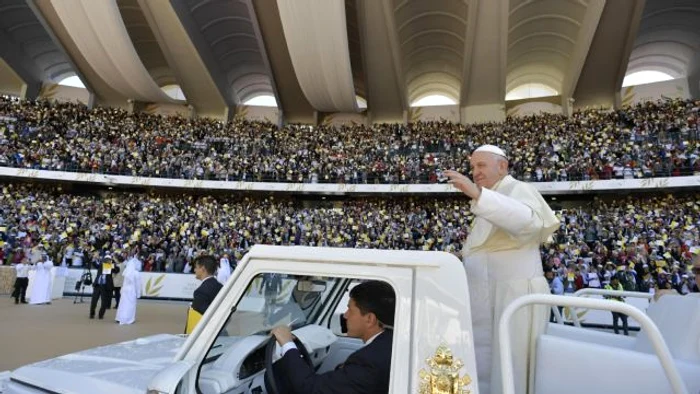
(645, 322)
(605, 292)
(557, 315)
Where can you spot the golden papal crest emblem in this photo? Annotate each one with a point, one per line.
(442, 375)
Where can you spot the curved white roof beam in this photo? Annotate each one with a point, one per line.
(183, 58)
(317, 39)
(97, 29)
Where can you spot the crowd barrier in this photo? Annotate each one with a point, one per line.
(546, 188)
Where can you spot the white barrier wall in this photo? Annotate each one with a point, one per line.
(534, 108)
(436, 113)
(155, 284)
(258, 114)
(66, 94)
(546, 188)
(162, 285)
(675, 88)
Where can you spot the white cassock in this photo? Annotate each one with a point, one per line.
(41, 286)
(502, 260)
(131, 291)
(224, 271)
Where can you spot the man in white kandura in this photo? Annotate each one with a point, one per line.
(224, 271)
(502, 260)
(131, 291)
(42, 283)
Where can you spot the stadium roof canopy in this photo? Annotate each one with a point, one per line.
(315, 56)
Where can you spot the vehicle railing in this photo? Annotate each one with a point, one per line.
(652, 332)
(605, 292)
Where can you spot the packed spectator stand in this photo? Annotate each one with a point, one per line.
(647, 140)
(646, 239)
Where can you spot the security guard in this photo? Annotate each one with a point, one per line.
(617, 286)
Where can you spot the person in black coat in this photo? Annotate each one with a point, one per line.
(205, 270)
(370, 317)
(103, 285)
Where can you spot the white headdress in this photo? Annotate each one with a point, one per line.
(491, 149)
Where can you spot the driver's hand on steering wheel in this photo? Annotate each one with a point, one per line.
(283, 335)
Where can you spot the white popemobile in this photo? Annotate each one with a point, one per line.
(230, 350)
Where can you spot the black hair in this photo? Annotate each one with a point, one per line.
(208, 262)
(375, 297)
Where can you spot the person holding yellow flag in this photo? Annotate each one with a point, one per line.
(617, 286)
(103, 286)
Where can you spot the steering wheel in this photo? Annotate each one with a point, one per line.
(271, 382)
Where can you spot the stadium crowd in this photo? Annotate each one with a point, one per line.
(646, 140)
(649, 239)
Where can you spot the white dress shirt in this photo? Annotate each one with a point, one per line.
(22, 270)
(291, 345)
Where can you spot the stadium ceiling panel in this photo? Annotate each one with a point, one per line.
(27, 48)
(227, 37)
(321, 55)
(431, 38)
(548, 41)
(182, 58)
(669, 38)
(317, 39)
(97, 30)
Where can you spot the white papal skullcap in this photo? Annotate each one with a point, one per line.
(491, 149)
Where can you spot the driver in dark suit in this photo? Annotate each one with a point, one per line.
(370, 317)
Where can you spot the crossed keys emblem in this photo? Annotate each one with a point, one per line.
(443, 374)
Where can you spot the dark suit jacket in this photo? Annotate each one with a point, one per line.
(205, 294)
(109, 281)
(365, 371)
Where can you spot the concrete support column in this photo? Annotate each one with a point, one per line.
(482, 113)
(567, 106)
(192, 111)
(694, 85)
(30, 91)
(617, 104)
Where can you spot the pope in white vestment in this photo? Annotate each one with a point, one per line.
(41, 285)
(502, 260)
(131, 291)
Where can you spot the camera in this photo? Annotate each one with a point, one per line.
(85, 280)
(441, 178)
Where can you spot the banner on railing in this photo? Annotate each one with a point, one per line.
(169, 285)
(154, 284)
(546, 188)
